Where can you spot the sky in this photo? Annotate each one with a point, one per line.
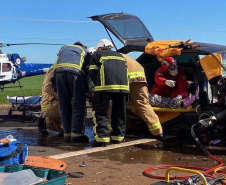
(66, 21)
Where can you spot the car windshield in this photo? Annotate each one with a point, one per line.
(129, 27)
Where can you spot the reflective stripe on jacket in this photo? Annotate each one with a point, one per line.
(136, 71)
(70, 58)
(108, 71)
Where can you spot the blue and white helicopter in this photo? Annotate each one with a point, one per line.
(13, 67)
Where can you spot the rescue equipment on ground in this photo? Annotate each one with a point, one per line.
(12, 152)
(23, 177)
(48, 176)
(45, 162)
(204, 173)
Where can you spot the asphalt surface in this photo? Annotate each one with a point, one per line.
(116, 164)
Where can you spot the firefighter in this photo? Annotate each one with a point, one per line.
(108, 71)
(49, 104)
(91, 50)
(91, 85)
(71, 87)
(140, 97)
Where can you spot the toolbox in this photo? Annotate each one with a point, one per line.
(53, 177)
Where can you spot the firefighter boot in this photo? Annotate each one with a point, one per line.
(99, 144)
(67, 137)
(79, 138)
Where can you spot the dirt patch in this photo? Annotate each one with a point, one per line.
(106, 172)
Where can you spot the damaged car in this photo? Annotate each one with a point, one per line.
(203, 63)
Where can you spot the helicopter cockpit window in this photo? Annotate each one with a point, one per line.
(6, 67)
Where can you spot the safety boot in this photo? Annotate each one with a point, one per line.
(99, 144)
(117, 142)
(79, 138)
(67, 137)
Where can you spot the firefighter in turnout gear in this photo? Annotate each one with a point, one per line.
(49, 104)
(108, 71)
(140, 97)
(71, 87)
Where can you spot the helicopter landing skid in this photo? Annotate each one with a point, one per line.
(2, 87)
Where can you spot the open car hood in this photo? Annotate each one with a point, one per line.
(129, 29)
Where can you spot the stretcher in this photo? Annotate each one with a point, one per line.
(30, 106)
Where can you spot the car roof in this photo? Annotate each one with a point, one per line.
(134, 35)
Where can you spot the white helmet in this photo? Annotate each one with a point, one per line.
(104, 43)
(91, 50)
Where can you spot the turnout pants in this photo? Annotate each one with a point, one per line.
(52, 117)
(101, 102)
(140, 99)
(71, 92)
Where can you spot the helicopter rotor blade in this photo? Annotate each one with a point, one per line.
(17, 44)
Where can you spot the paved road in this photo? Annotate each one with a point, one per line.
(115, 164)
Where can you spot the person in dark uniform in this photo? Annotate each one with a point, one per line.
(71, 87)
(108, 71)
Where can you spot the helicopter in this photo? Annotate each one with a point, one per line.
(13, 67)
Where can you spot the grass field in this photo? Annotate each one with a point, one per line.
(31, 86)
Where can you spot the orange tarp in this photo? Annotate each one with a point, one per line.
(162, 48)
(211, 65)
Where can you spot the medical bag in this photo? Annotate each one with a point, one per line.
(13, 153)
